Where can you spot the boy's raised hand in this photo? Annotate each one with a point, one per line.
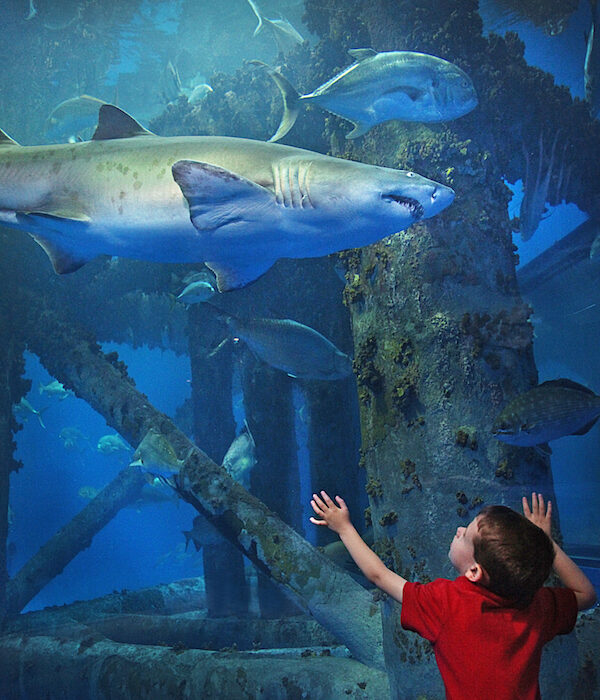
(539, 514)
(335, 517)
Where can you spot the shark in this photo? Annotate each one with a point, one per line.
(236, 204)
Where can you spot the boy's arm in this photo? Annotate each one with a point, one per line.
(565, 568)
(337, 518)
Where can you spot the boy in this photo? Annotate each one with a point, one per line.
(489, 625)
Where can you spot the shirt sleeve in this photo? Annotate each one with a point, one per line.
(425, 607)
(559, 609)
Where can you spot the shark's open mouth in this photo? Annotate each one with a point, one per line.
(414, 208)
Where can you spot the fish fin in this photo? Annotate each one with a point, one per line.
(114, 123)
(567, 384)
(360, 128)
(259, 16)
(362, 54)
(233, 275)
(291, 101)
(63, 260)
(410, 91)
(6, 141)
(586, 427)
(218, 197)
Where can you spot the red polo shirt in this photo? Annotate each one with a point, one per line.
(483, 648)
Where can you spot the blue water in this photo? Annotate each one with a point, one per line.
(143, 546)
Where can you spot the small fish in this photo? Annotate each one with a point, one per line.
(240, 458)
(591, 69)
(170, 84)
(72, 118)
(152, 493)
(109, 444)
(300, 351)
(196, 292)
(535, 192)
(284, 35)
(156, 456)
(23, 408)
(55, 389)
(203, 533)
(198, 93)
(379, 87)
(72, 437)
(549, 411)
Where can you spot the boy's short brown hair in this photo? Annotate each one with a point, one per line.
(516, 554)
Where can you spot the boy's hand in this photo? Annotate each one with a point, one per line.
(334, 517)
(538, 514)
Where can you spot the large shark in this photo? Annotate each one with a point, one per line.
(236, 204)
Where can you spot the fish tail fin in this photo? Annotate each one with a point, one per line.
(259, 16)
(39, 416)
(291, 101)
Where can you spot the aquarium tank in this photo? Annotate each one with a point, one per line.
(255, 253)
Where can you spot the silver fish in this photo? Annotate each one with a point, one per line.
(292, 347)
(72, 118)
(240, 458)
(109, 444)
(379, 87)
(285, 36)
(198, 93)
(23, 408)
(155, 455)
(196, 292)
(549, 411)
(234, 203)
(591, 68)
(55, 389)
(72, 437)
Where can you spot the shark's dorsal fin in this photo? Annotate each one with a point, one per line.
(114, 123)
(362, 54)
(5, 140)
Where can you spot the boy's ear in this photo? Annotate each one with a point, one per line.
(477, 574)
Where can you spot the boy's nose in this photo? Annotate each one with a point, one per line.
(460, 531)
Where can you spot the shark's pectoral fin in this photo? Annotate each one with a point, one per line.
(231, 275)
(218, 197)
(61, 251)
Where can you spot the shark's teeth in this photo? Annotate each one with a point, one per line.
(416, 209)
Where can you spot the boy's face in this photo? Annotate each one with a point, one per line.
(462, 550)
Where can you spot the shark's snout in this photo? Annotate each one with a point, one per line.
(439, 198)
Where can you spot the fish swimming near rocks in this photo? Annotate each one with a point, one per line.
(591, 68)
(284, 34)
(71, 118)
(156, 456)
(234, 203)
(73, 438)
(299, 350)
(549, 411)
(24, 408)
(379, 87)
(240, 458)
(56, 390)
(109, 444)
(197, 94)
(196, 291)
(202, 534)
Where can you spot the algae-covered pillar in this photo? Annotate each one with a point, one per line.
(214, 427)
(441, 335)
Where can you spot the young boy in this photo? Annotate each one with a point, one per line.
(489, 625)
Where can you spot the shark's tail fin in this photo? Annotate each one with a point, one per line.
(291, 100)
